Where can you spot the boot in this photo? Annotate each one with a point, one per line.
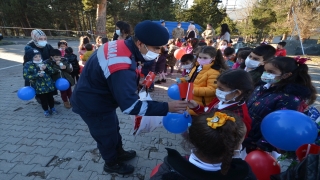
(157, 82)
(67, 105)
(118, 167)
(126, 155)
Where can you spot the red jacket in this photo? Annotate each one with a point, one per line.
(240, 110)
(281, 52)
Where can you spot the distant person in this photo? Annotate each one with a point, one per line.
(178, 32)
(209, 33)
(229, 55)
(191, 33)
(98, 42)
(62, 45)
(73, 60)
(163, 23)
(83, 41)
(281, 51)
(195, 29)
(225, 33)
(89, 51)
(123, 31)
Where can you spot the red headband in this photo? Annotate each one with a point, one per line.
(301, 60)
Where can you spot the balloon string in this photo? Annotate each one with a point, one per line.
(308, 150)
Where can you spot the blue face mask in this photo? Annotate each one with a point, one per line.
(269, 78)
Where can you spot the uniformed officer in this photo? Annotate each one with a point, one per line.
(108, 81)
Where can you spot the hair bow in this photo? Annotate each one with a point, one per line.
(219, 119)
(301, 60)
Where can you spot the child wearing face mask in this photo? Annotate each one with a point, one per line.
(62, 69)
(39, 75)
(232, 93)
(241, 57)
(204, 75)
(216, 138)
(223, 45)
(161, 65)
(62, 45)
(187, 64)
(229, 54)
(255, 62)
(288, 86)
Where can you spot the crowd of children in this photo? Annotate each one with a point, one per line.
(240, 89)
(232, 92)
(62, 63)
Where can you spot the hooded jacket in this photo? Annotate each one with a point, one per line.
(263, 101)
(45, 51)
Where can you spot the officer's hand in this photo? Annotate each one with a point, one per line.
(176, 106)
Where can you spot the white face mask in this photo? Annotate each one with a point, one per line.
(37, 62)
(251, 63)
(223, 47)
(188, 66)
(269, 78)
(118, 32)
(42, 43)
(221, 95)
(179, 26)
(150, 55)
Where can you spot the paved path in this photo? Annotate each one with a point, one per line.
(60, 147)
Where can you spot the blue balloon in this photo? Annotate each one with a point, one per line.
(62, 84)
(176, 123)
(288, 129)
(26, 93)
(173, 92)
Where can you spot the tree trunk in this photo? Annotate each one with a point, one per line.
(284, 36)
(101, 18)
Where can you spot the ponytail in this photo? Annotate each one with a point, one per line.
(219, 62)
(302, 77)
(299, 75)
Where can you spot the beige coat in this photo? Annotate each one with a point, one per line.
(208, 34)
(177, 33)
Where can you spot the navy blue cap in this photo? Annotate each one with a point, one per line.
(151, 34)
(30, 53)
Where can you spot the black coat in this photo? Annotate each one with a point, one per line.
(308, 169)
(45, 51)
(73, 60)
(176, 167)
(190, 34)
(161, 63)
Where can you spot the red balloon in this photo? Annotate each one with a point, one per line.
(302, 151)
(155, 170)
(262, 164)
(179, 53)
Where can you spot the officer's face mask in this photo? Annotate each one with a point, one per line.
(150, 55)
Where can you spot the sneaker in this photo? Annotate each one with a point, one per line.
(54, 111)
(157, 82)
(150, 89)
(126, 155)
(164, 80)
(118, 167)
(46, 114)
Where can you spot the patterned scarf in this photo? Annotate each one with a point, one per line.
(35, 34)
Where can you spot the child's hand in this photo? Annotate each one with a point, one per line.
(43, 67)
(41, 74)
(192, 104)
(63, 67)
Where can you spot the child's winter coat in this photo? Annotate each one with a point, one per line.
(43, 84)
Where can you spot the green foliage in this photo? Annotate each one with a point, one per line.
(204, 12)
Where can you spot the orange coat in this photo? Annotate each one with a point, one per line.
(205, 85)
